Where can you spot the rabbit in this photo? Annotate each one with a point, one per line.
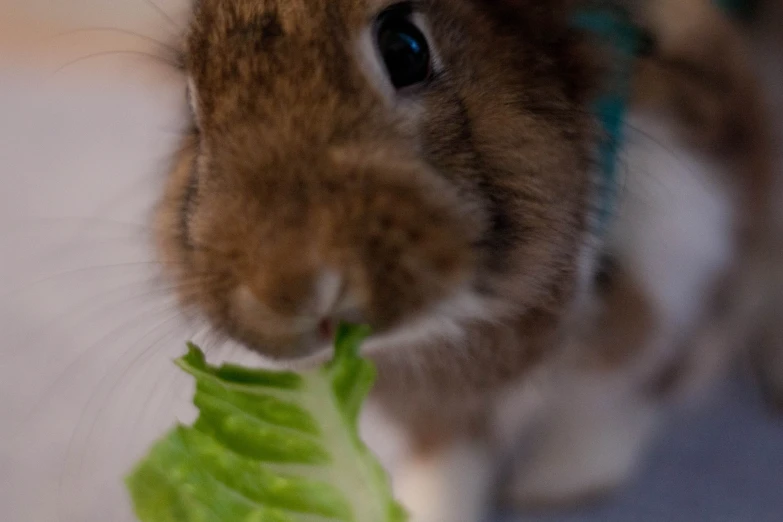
(429, 168)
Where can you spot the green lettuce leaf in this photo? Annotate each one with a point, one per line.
(269, 447)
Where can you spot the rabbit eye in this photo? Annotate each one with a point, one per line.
(403, 48)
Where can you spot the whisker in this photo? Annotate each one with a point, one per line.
(151, 228)
(43, 251)
(170, 301)
(178, 131)
(98, 344)
(676, 157)
(163, 13)
(213, 339)
(655, 141)
(108, 396)
(140, 234)
(87, 30)
(79, 308)
(164, 394)
(143, 357)
(89, 243)
(155, 57)
(54, 277)
(159, 396)
(77, 219)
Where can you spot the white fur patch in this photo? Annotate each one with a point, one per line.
(452, 486)
(674, 229)
(327, 292)
(445, 322)
(591, 438)
(387, 440)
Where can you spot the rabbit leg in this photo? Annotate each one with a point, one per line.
(440, 472)
(588, 445)
(600, 405)
(450, 484)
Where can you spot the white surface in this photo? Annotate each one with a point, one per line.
(85, 375)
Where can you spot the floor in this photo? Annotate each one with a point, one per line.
(720, 464)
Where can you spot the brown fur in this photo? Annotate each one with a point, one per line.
(623, 324)
(297, 164)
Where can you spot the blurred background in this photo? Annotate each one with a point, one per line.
(90, 109)
(86, 379)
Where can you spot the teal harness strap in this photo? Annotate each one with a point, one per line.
(624, 40)
(614, 27)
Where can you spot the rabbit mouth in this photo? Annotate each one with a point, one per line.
(310, 342)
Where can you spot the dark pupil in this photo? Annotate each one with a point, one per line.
(404, 50)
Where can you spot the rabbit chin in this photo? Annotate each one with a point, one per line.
(446, 321)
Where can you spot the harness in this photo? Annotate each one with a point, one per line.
(614, 27)
(624, 40)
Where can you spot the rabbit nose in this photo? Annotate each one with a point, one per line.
(293, 309)
(292, 290)
(334, 305)
(329, 288)
(328, 323)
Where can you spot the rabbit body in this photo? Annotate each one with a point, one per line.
(429, 168)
